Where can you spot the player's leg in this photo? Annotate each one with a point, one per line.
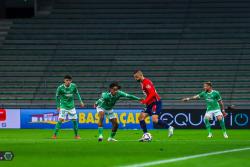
(62, 116)
(220, 118)
(101, 114)
(57, 128)
(207, 118)
(75, 127)
(156, 110)
(100, 125)
(162, 123)
(114, 129)
(143, 115)
(72, 115)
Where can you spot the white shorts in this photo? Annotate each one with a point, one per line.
(109, 113)
(71, 114)
(213, 113)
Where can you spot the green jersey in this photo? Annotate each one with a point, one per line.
(65, 96)
(211, 99)
(107, 101)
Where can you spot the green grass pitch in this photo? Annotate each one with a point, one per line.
(34, 148)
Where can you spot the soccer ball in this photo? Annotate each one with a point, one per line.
(147, 137)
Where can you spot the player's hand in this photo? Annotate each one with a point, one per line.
(82, 104)
(94, 105)
(58, 109)
(185, 99)
(224, 114)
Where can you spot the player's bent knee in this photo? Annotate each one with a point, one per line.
(100, 121)
(155, 120)
(100, 124)
(114, 122)
(207, 117)
(219, 118)
(115, 126)
(101, 116)
(141, 117)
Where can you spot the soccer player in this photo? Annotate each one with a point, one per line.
(104, 106)
(153, 105)
(215, 107)
(65, 104)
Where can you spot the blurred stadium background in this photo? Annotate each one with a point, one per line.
(177, 43)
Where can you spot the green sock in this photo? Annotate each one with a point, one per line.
(75, 126)
(100, 131)
(112, 134)
(208, 126)
(222, 125)
(57, 127)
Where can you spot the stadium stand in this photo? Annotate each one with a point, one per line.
(179, 44)
(4, 28)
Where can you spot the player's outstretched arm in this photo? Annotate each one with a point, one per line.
(191, 98)
(129, 96)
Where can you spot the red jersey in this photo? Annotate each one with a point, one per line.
(149, 91)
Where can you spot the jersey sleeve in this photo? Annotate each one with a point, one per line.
(98, 101)
(104, 96)
(201, 94)
(58, 93)
(129, 96)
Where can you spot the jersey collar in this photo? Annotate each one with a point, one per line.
(210, 92)
(66, 86)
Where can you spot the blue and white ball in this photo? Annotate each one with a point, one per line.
(147, 137)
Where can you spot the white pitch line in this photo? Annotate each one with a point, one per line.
(184, 158)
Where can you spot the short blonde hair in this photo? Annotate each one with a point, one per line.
(138, 72)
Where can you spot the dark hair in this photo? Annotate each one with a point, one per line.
(136, 71)
(114, 84)
(68, 77)
(208, 83)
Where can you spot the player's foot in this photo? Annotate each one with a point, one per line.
(110, 139)
(77, 137)
(54, 137)
(225, 135)
(100, 138)
(146, 137)
(170, 131)
(210, 135)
